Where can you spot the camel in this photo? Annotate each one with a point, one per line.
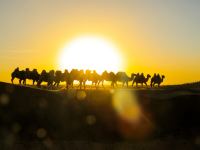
(77, 75)
(32, 75)
(21, 75)
(95, 78)
(108, 77)
(92, 76)
(156, 79)
(141, 79)
(62, 77)
(46, 77)
(124, 78)
(58, 78)
(67, 78)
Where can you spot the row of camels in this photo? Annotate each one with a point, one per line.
(54, 78)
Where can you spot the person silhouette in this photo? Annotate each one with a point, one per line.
(153, 79)
(154, 76)
(142, 76)
(158, 77)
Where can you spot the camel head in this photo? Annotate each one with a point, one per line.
(148, 76)
(163, 77)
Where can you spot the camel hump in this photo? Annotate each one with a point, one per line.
(43, 72)
(66, 71)
(158, 77)
(27, 69)
(16, 69)
(88, 71)
(122, 74)
(51, 72)
(94, 72)
(58, 72)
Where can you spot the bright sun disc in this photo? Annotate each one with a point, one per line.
(90, 53)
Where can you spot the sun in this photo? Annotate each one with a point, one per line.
(90, 52)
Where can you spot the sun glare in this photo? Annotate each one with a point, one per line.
(92, 53)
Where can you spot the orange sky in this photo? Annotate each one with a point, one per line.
(161, 37)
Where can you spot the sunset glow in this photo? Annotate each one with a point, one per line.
(88, 52)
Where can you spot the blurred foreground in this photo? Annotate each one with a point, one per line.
(99, 119)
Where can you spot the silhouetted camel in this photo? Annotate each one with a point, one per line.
(54, 78)
(46, 77)
(62, 77)
(108, 77)
(156, 79)
(32, 75)
(124, 78)
(94, 77)
(141, 79)
(77, 75)
(58, 78)
(21, 75)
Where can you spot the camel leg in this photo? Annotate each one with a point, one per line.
(84, 84)
(24, 82)
(122, 84)
(145, 84)
(127, 84)
(12, 80)
(58, 84)
(102, 83)
(153, 84)
(66, 84)
(96, 85)
(112, 84)
(38, 83)
(133, 83)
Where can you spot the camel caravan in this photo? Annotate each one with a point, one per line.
(54, 78)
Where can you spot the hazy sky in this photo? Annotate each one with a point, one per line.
(153, 35)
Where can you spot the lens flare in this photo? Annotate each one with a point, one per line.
(132, 120)
(126, 105)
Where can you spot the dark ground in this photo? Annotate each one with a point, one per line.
(32, 118)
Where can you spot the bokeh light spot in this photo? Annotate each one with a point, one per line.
(81, 95)
(4, 99)
(90, 119)
(41, 133)
(16, 127)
